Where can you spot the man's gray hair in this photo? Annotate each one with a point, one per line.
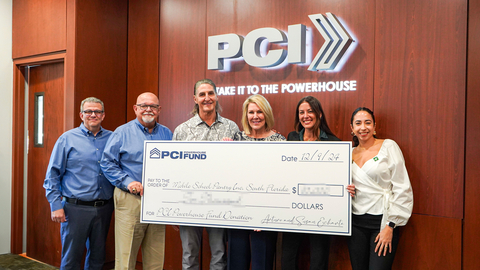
(91, 100)
(218, 108)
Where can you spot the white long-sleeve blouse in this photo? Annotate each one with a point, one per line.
(383, 186)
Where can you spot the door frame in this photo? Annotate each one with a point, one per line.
(18, 134)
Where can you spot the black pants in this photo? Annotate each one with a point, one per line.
(319, 248)
(361, 244)
(247, 245)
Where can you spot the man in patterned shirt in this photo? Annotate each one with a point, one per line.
(205, 125)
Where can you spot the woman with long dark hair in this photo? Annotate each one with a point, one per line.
(383, 195)
(310, 125)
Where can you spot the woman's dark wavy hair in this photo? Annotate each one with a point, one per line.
(318, 111)
(359, 109)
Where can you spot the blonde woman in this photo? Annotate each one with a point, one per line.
(247, 245)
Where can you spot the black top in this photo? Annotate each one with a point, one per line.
(298, 136)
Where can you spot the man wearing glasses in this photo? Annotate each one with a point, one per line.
(122, 164)
(80, 196)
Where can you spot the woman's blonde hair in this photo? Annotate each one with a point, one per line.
(263, 104)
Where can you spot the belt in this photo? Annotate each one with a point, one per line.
(96, 203)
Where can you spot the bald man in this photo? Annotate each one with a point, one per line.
(122, 164)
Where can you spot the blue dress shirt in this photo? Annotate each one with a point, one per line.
(74, 168)
(122, 160)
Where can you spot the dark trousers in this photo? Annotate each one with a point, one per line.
(246, 245)
(361, 244)
(86, 226)
(319, 249)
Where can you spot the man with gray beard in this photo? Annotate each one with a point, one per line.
(122, 164)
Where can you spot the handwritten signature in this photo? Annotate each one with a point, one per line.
(303, 221)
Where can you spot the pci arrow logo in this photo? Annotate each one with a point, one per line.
(337, 41)
(155, 153)
(233, 46)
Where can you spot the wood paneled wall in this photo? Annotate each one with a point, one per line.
(143, 49)
(182, 57)
(472, 146)
(409, 60)
(430, 242)
(39, 27)
(101, 57)
(420, 96)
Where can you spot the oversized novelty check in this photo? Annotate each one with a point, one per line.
(278, 186)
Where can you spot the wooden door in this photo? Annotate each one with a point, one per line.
(44, 82)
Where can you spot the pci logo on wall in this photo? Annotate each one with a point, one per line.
(232, 46)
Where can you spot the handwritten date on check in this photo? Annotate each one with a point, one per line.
(277, 186)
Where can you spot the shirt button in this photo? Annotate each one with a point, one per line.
(99, 174)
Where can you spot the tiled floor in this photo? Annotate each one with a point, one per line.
(17, 262)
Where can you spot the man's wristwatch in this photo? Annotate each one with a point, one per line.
(391, 225)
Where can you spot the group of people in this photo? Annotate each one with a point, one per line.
(93, 171)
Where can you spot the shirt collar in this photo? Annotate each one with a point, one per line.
(88, 132)
(145, 128)
(198, 120)
(323, 134)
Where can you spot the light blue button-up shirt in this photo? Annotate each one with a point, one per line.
(122, 160)
(74, 168)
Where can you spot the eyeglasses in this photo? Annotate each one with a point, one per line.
(144, 107)
(90, 112)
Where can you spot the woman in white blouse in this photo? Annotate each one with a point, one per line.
(383, 196)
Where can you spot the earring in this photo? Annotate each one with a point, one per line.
(353, 134)
(374, 132)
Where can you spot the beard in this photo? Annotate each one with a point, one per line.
(148, 118)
